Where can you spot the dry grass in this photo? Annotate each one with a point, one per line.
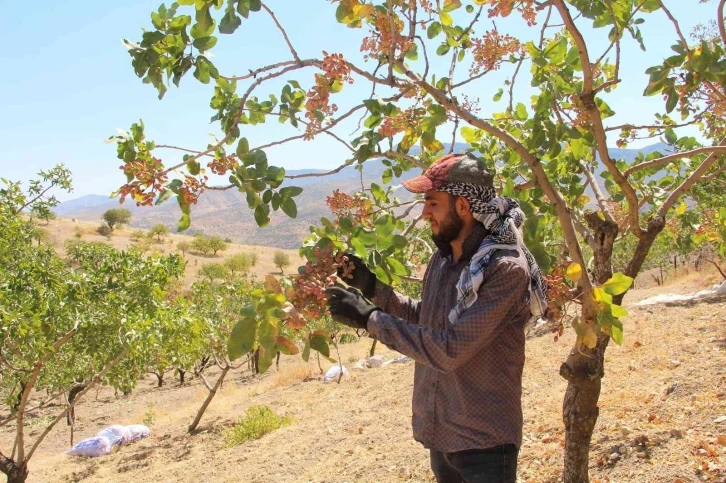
(359, 430)
(62, 230)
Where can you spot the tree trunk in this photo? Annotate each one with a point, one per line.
(256, 361)
(372, 352)
(584, 371)
(14, 473)
(580, 409)
(208, 400)
(277, 361)
(159, 378)
(182, 373)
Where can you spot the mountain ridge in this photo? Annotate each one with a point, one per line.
(225, 213)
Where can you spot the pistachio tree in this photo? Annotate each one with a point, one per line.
(546, 133)
(65, 328)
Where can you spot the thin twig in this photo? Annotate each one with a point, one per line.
(672, 157)
(256, 72)
(598, 193)
(284, 34)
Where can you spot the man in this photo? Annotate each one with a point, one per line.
(466, 334)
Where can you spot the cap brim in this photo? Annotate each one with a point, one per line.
(419, 184)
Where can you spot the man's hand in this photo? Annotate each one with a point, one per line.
(361, 277)
(349, 307)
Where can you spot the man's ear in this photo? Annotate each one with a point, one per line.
(463, 207)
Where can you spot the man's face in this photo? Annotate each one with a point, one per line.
(440, 211)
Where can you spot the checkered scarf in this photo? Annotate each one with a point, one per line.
(502, 217)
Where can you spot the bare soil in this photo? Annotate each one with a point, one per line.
(662, 414)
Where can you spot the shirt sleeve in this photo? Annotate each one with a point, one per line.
(397, 304)
(500, 295)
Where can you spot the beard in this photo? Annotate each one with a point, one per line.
(449, 229)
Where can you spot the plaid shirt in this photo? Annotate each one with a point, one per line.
(468, 377)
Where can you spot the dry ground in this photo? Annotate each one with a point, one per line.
(62, 230)
(664, 391)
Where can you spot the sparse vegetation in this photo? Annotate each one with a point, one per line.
(183, 247)
(159, 231)
(258, 421)
(213, 271)
(281, 260)
(116, 216)
(137, 235)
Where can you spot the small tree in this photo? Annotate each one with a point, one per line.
(238, 263)
(159, 231)
(137, 235)
(281, 260)
(213, 271)
(200, 244)
(216, 244)
(116, 216)
(44, 213)
(184, 247)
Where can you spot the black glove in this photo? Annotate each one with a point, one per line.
(361, 277)
(349, 307)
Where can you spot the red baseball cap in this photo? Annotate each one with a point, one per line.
(452, 168)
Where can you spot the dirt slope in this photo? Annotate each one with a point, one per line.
(663, 391)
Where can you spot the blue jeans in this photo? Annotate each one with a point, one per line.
(493, 465)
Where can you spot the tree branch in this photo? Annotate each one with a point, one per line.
(690, 181)
(588, 99)
(240, 110)
(256, 72)
(598, 193)
(284, 34)
(325, 173)
(534, 164)
(78, 397)
(408, 157)
(672, 157)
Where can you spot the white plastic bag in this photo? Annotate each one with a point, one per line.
(95, 446)
(333, 373)
(376, 361)
(138, 431)
(116, 434)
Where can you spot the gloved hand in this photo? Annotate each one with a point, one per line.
(361, 277)
(349, 307)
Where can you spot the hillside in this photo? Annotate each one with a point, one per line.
(225, 213)
(62, 230)
(662, 414)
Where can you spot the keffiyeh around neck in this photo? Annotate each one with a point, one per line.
(502, 217)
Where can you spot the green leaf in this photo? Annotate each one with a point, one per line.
(619, 283)
(498, 95)
(433, 30)
(397, 267)
(319, 343)
(520, 113)
(229, 23)
(387, 175)
(262, 215)
(290, 191)
(268, 332)
(446, 18)
(616, 333)
(242, 338)
(267, 355)
(378, 193)
(306, 350)
(243, 147)
(618, 311)
(204, 43)
(400, 241)
(185, 219)
(193, 167)
(289, 207)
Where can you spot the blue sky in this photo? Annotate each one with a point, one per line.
(68, 83)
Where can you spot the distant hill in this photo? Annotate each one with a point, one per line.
(225, 213)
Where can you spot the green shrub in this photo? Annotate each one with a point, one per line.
(258, 421)
(348, 338)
